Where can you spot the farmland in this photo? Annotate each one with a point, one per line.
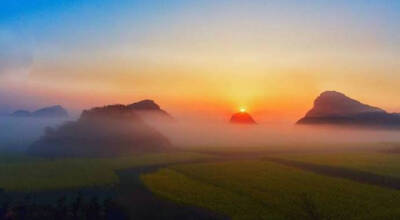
(239, 184)
(258, 189)
(381, 163)
(22, 173)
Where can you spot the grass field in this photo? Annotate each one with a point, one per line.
(247, 188)
(265, 190)
(379, 163)
(22, 173)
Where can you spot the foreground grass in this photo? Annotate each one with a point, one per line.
(264, 190)
(373, 162)
(21, 173)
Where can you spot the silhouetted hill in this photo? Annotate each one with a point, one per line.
(242, 118)
(332, 103)
(102, 131)
(52, 111)
(21, 113)
(55, 111)
(147, 105)
(337, 109)
(151, 112)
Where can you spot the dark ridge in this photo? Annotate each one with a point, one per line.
(52, 111)
(117, 112)
(370, 119)
(332, 103)
(334, 108)
(55, 111)
(147, 105)
(102, 131)
(21, 113)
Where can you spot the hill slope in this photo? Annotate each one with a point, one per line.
(337, 109)
(56, 111)
(102, 131)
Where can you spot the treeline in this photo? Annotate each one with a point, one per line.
(63, 209)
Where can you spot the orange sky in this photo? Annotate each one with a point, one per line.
(273, 59)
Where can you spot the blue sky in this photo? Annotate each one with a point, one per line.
(46, 18)
(61, 50)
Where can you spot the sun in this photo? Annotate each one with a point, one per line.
(242, 109)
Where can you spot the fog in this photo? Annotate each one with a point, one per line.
(17, 133)
(191, 133)
(199, 134)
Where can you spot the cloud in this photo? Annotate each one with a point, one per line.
(15, 53)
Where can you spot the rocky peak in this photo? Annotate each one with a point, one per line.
(332, 103)
(146, 104)
(109, 112)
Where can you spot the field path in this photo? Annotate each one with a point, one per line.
(341, 172)
(141, 203)
(355, 175)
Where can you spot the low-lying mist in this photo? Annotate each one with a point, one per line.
(190, 133)
(17, 133)
(273, 136)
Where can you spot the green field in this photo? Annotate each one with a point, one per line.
(240, 188)
(373, 162)
(264, 190)
(23, 173)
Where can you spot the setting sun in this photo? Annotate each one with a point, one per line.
(242, 109)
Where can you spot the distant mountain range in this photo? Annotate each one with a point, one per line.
(335, 108)
(55, 111)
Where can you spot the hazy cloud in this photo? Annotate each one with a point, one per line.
(15, 53)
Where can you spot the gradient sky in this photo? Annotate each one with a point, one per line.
(209, 57)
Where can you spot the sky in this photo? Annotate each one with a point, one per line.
(202, 57)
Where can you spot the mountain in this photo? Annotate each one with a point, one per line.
(147, 105)
(332, 103)
(151, 112)
(55, 111)
(102, 131)
(21, 113)
(242, 118)
(335, 108)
